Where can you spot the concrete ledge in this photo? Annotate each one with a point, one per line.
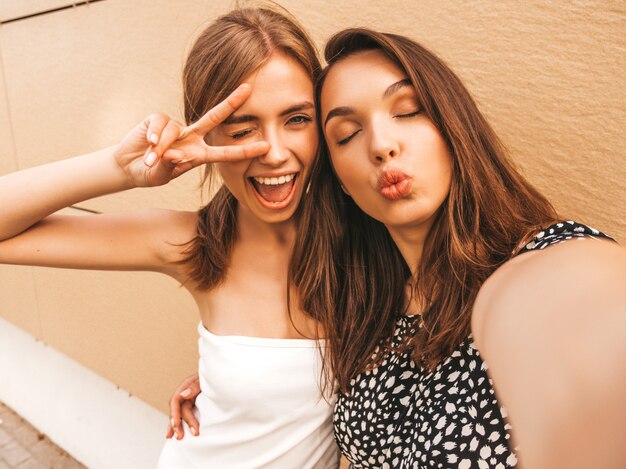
(99, 424)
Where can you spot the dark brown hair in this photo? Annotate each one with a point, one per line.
(227, 51)
(349, 271)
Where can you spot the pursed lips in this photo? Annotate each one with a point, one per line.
(394, 184)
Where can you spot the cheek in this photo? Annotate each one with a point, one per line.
(232, 173)
(444, 170)
(433, 162)
(306, 144)
(337, 163)
(347, 173)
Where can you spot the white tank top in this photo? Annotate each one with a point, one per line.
(260, 407)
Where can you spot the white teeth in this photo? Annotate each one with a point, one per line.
(275, 180)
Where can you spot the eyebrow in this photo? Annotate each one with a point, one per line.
(239, 119)
(397, 86)
(337, 112)
(346, 111)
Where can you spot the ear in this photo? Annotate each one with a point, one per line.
(344, 190)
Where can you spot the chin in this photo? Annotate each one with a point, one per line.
(279, 216)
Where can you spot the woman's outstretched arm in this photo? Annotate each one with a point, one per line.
(551, 326)
(154, 152)
(30, 195)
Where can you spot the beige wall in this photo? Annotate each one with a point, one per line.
(549, 76)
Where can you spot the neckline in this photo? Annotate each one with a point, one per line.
(258, 341)
(409, 317)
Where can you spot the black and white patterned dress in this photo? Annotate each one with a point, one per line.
(400, 415)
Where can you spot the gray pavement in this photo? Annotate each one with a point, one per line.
(23, 447)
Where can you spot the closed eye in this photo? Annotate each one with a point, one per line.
(409, 114)
(348, 138)
(241, 134)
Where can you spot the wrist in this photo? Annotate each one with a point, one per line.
(121, 178)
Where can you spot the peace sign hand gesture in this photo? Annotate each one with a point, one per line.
(160, 149)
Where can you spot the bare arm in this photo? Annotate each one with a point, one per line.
(551, 326)
(141, 240)
(31, 195)
(154, 152)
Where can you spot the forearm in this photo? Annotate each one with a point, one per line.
(30, 195)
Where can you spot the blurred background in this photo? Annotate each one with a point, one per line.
(91, 358)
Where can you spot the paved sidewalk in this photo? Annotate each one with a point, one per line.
(23, 447)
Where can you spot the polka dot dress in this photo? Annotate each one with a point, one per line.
(399, 415)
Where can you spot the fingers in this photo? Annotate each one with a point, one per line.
(162, 131)
(190, 387)
(220, 112)
(155, 123)
(197, 155)
(169, 134)
(189, 418)
(170, 431)
(176, 156)
(235, 152)
(175, 407)
(184, 397)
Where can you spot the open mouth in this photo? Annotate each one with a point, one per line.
(274, 192)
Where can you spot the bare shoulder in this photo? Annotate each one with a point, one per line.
(172, 231)
(551, 325)
(175, 225)
(567, 276)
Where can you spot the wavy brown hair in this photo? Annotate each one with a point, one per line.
(347, 268)
(228, 50)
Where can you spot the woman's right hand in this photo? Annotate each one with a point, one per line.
(181, 408)
(160, 149)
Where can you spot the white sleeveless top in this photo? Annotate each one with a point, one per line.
(260, 407)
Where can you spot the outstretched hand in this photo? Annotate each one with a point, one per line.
(160, 149)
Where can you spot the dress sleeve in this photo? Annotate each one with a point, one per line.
(559, 232)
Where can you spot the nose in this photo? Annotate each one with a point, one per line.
(383, 145)
(278, 152)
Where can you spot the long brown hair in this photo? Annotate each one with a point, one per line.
(227, 51)
(350, 273)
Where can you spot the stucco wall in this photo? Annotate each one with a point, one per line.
(547, 74)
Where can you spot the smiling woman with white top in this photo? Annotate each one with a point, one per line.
(250, 114)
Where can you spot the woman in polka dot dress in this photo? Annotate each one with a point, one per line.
(423, 284)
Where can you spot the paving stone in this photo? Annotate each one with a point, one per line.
(68, 463)
(5, 437)
(11, 421)
(32, 464)
(45, 450)
(26, 435)
(23, 447)
(13, 453)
